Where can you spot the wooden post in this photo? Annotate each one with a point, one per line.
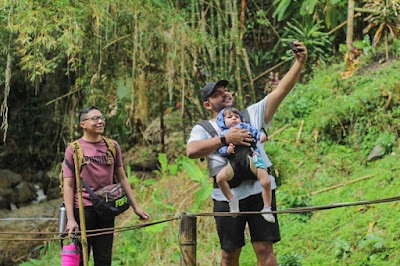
(187, 239)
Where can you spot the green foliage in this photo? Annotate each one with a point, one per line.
(331, 12)
(289, 260)
(312, 35)
(385, 18)
(348, 117)
(198, 175)
(387, 140)
(165, 167)
(342, 248)
(135, 181)
(294, 198)
(372, 242)
(364, 45)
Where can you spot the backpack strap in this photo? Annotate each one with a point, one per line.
(77, 148)
(246, 116)
(247, 120)
(111, 150)
(89, 190)
(208, 127)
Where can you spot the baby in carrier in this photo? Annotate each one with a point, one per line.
(240, 159)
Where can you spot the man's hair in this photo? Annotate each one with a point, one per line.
(87, 110)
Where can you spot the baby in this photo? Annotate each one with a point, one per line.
(228, 118)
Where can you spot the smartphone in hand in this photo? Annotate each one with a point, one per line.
(294, 48)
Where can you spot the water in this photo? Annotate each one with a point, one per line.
(40, 194)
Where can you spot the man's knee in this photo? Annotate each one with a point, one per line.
(265, 253)
(230, 257)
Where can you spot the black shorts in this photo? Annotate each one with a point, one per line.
(231, 230)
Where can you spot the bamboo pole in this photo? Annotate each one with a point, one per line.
(299, 132)
(249, 73)
(187, 240)
(279, 131)
(235, 37)
(268, 70)
(82, 222)
(342, 184)
(221, 40)
(350, 24)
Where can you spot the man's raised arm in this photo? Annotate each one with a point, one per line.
(287, 83)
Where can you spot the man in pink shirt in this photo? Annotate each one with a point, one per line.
(97, 174)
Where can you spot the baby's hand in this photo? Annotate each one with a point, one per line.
(230, 149)
(263, 138)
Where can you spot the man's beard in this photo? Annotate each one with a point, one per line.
(220, 106)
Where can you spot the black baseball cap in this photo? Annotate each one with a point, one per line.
(209, 88)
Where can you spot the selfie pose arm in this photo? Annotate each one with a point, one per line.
(287, 83)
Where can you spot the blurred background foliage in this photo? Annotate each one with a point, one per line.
(141, 60)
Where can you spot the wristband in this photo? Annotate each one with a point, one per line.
(223, 140)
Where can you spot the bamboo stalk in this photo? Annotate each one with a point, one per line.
(350, 24)
(82, 222)
(279, 131)
(342, 184)
(269, 70)
(299, 132)
(220, 40)
(342, 24)
(7, 87)
(237, 44)
(249, 73)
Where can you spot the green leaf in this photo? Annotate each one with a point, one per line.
(162, 158)
(193, 170)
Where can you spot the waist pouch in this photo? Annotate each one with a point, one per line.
(110, 200)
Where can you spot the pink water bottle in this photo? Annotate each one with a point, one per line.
(70, 255)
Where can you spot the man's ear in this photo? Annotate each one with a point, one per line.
(207, 105)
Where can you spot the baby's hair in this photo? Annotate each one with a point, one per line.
(233, 110)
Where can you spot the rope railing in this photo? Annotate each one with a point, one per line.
(96, 232)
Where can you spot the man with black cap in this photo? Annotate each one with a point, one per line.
(201, 144)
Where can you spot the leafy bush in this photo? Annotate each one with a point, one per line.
(289, 260)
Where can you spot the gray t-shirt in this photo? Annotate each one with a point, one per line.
(216, 162)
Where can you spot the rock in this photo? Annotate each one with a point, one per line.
(6, 193)
(4, 203)
(377, 153)
(53, 193)
(9, 179)
(23, 192)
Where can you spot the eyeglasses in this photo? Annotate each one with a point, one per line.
(96, 118)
